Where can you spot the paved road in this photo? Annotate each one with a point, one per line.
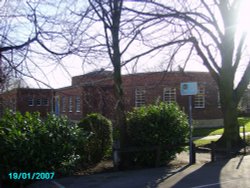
(222, 174)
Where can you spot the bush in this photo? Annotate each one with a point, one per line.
(29, 144)
(99, 143)
(163, 125)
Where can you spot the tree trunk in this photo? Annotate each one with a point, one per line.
(120, 117)
(230, 139)
(231, 136)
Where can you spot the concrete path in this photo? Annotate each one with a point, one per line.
(221, 174)
(231, 173)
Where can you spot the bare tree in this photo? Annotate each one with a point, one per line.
(213, 27)
(116, 36)
(35, 31)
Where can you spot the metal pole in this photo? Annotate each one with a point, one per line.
(191, 161)
(244, 138)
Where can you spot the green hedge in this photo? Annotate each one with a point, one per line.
(99, 133)
(30, 144)
(162, 125)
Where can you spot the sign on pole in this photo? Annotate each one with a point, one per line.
(189, 88)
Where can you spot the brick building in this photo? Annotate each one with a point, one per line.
(27, 100)
(94, 92)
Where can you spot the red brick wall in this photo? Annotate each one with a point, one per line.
(154, 84)
(93, 78)
(96, 93)
(21, 96)
(70, 92)
(93, 99)
(24, 94)
(7, 99)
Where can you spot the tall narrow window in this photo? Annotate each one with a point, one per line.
(247, 101)
(30, 101)
(199, 100)
(169, 95)
(38, 102)
(139, 97)
(78, 104)
(57, 105)
(70, 104)
(63, 104)
(218, 100)
(45, 102)
(13, 101)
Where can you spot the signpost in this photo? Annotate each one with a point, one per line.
(189, 89)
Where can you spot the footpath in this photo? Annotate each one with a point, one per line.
(226, 173)
(223, 173)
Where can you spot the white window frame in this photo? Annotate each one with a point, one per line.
(78, 104)
(199, 99)
(70, 104)
(140, 97)
(169, 94)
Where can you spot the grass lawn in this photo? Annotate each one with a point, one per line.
(202, 142)
(201, 132)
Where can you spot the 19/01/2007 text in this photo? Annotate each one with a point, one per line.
(31, 175)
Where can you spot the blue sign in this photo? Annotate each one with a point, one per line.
(189, 88)
(57, 106)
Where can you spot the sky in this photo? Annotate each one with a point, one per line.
(57, 75)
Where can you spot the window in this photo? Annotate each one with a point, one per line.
(63, 104)
(247, 102)
(70, 104)
(169, 95)
(13, 104)
(218, 100)
(30, 101)
(45, 102)
(38, 102)
(199, 100)
(57, 105)
(78, 104)
(244, 103)
(139, 97)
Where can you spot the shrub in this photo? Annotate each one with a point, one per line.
(163, 125)
(29, 144)
(99, 143)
